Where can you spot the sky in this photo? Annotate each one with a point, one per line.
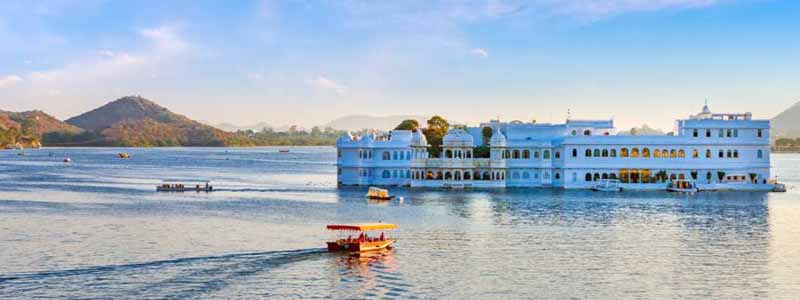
(308, 62)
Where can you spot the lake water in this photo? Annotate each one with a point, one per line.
(96, 229)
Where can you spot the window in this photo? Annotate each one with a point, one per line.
(708, 132)
(386, 174)
(656, 153)
(588, 177)
(735, 153)
(681, 153)
(721, 133)
(386, 155)
(673, 153)
(558, 176)
(558, 154)
(694, 132)
(526, 175)
(730, 154)
(587, 132)
(526, 154)
(695, 153)
(605, 152)
(546, 154)
(394, 155)
(708, 153)
(623, 152)
(596, 153)
(613, 152)
(574, 152)
(721, 154)
(574, 132)
(536, 154)
(760, 154)
(760, 133)
(729, 133)
(588, 153)
(515, 154)
(635, 152)
(394, 173)
(736, 133)
(646, 152)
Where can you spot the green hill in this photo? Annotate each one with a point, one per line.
(27, 128)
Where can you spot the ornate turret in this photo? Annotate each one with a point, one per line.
(418, 139)
(498, 139)
(457, 138)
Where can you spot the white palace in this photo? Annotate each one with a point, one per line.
(716, 151)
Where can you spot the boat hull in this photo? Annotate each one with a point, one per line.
(380, 198)
(676, 190)
(360, 247)
(202, 189)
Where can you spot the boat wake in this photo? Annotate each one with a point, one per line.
(181, 278)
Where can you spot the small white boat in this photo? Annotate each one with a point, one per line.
(779, 188)
(682, 186)
(607, 185)
(67, 160)
(378, 194)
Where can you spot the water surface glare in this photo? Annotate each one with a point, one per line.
(96, 228)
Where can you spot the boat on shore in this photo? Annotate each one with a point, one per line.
(123, 155)
(375, 193)
(682, 186)
(363, 242)
(607, 185)
(172, 186)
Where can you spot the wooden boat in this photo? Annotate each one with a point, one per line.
(682, 186)
(378, 194)
(124, 155)
(363, 242)
(170, 186)
(607, 185)
(283, 150)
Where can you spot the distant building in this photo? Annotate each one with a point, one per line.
(717, 151)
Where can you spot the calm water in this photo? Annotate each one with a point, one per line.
(96, 229)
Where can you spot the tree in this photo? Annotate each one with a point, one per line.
(437, 128)
(408, 124)
(486, 132)
(720, 175)
(694, 175)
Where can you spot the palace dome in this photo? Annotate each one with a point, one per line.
(498, 139)
(418, 139)
(457, 138)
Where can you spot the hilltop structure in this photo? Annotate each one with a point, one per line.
(717, 151)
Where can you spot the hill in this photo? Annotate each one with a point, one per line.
(358, 122)
(138, 122)
(644, 130)
(787, 123)
(27, 128)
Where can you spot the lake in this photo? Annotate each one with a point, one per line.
(96, 229)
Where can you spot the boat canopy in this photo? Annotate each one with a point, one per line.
(362, 226)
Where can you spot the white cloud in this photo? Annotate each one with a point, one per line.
(165, 38)
(321, 82)
(480, 52)
(595, 9)
(9, 80)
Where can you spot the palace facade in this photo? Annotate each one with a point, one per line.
(716, 151)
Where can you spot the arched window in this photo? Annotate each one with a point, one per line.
(673, 153)
(695, 153)
(588, 153)
(708, 153)
(526, 175)
(526, 154)
(721, 154)
(386, 155)
(623, 152)
(613, 153)
(448, 176)
(536, 154)
(735, 153)
(605, 176)
(386, 174)
(467, 176)
(558, 176)
(574, 152)
(596, 176)
(605, 152)
(673, 177)
(515, 175)
(408, 173)
(665, 153)
(681, 153)
(457, 175)
(507, 154)
(574, 132)
(486, 176)
(558, 154)
(694, 133)
(448, 153)
(656, 153)
(588, 177)
(646, 152)
(394, 173)
(546, 154)
(730, 154)
(736, 133)
(587, 132)
(394, 155)
(515, 154)
(596, 153)
(708, 132)
(635, 152)
(760, 154)
(729, 133)
(469, 154)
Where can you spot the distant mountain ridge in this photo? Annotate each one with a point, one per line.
(787, 123)
(358, 122)
(39, 122)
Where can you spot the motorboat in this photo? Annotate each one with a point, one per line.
(123, 155)
(682, 186)
(607, 185)
(375, 193)
(67, 160)
(363, 242)
(192, 186)
(779, 188)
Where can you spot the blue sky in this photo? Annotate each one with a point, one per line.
(307, 62)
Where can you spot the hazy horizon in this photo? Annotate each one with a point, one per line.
(310, 62)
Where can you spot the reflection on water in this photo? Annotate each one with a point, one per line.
(96, 228)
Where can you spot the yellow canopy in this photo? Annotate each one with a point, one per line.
(362, 226)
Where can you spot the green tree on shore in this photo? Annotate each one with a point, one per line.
(434, 133)
(409, 124)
